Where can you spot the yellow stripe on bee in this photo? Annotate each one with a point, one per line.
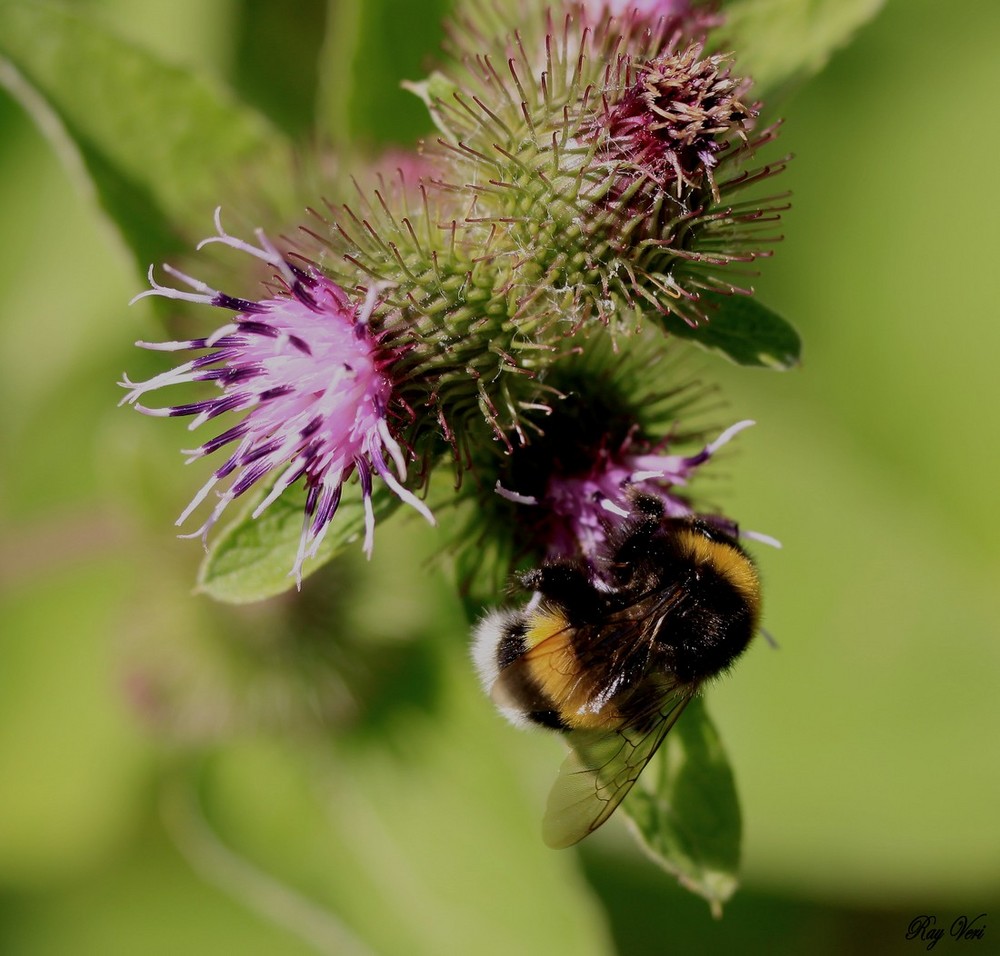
(545, 622)
(728, 562)
(556, 670)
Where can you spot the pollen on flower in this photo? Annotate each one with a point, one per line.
(313, 382)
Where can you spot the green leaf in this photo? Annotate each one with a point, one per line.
(685, 811)
(158, 146)
(252, 558)
(369, 49)
(743, 330)
(780, 43)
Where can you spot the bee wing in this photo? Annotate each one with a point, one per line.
(601, 768)
(622, 645)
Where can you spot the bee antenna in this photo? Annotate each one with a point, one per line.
(769, 637)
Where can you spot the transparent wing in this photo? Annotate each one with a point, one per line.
(601, 768)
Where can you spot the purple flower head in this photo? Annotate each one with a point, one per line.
(577, 507)
(313, 382)
(676, 117)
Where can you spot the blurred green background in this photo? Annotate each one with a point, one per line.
(132, 713)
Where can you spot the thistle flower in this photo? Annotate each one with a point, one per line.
(610, 427)
(576, 507)
(314, 382)
(672, 122)
(674, 136)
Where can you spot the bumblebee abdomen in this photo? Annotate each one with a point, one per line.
(530, 664)
(610, 653)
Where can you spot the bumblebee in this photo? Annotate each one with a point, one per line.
(611, 656)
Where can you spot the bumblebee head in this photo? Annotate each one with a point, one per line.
(647, 507)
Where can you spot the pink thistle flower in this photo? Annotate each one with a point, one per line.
(314, 382)
(578, 507)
